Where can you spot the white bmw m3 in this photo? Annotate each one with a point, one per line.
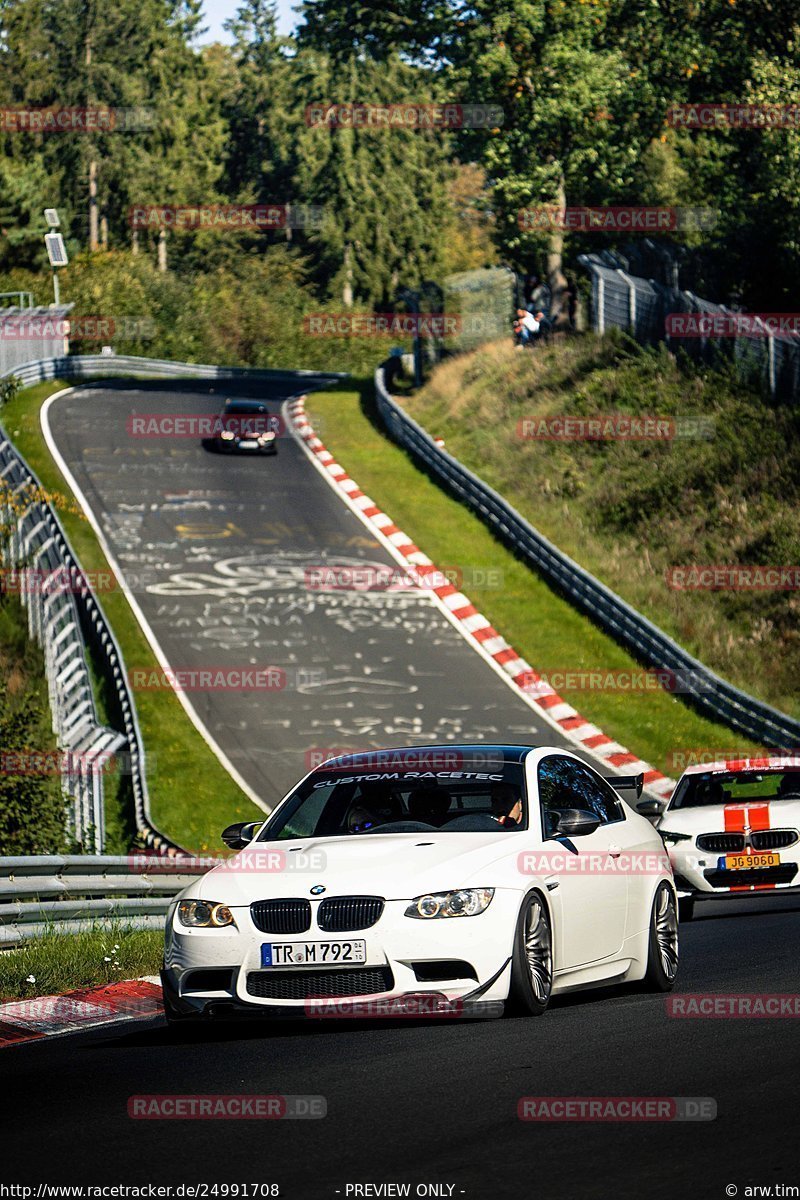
(445, 879)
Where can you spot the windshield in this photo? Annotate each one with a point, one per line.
(489, 797)
(737, 787)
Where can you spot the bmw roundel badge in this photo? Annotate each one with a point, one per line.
(317, 889)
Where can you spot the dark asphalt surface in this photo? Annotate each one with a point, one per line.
(216, 550)
(436, 1102)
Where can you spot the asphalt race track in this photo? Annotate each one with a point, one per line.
(435, 1102)
(219, 552)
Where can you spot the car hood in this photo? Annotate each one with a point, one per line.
(732, 818)
(396, 866)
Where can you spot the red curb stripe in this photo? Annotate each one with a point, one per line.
(461, 614)
(599, 740)
(549, 701)
(129, 999)
(621, 760)
(568, 723)
(484, 635)
(509, 655)
(10, 1034)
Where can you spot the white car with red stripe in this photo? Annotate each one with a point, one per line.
(733, 828)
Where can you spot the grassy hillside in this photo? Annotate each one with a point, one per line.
(629, 510)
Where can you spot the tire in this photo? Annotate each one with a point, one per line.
(532, 960)
(662, 944)
(685, 908)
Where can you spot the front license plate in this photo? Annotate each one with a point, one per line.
(747, 862)
(248, 445)
(316, 954)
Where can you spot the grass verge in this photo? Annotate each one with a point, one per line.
(59, 962)
(192, 797)
(542, 626)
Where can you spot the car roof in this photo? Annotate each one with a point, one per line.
(369, 758)
(245, 406)
(742, 765)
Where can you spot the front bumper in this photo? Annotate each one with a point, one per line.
(701, 875)
(246, 446)
(218, 972)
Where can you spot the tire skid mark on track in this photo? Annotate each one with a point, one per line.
(473, 624)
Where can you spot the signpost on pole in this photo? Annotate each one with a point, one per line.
(56, 250)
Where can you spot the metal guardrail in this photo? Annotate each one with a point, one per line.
(34, 546)
(59, 617)
(101, 366)
(70, 893)
(641, 306)
(713, 696)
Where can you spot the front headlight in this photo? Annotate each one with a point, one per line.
(673, 838)
(266, 437)
(204, 914)
(466, 903)
(227, 435)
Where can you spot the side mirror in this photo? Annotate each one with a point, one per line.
(575, 822)
(650, 808)
(237, 836)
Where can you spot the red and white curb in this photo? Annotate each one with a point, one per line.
(474, 624)
(48, 1016)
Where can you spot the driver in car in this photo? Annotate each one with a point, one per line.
(360, 819)
(506, 806)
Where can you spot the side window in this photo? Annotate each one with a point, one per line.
(566, 783)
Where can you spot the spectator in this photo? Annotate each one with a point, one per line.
(526, 327)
